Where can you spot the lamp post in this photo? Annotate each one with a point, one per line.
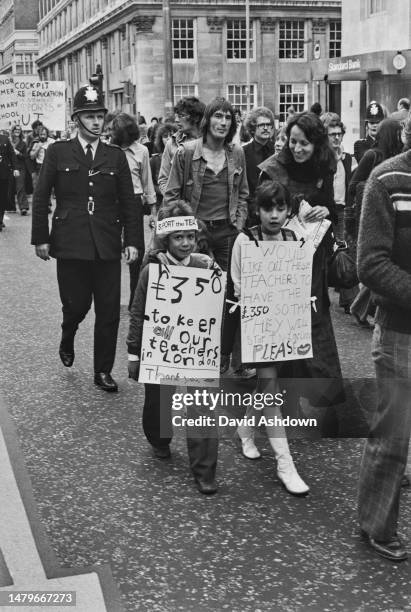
(168, 59)
(247, 51)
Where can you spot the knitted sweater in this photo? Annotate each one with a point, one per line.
(384, 262)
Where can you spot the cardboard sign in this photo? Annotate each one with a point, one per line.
(276, 301)
(24, 99)
(9, 114)
(182, 327)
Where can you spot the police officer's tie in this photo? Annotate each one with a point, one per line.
(89, 155)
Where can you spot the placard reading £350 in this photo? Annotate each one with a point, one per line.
(182, 327)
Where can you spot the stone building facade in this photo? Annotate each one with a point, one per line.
(125, 39)
(19, 42)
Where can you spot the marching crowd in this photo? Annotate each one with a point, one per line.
(236, 181)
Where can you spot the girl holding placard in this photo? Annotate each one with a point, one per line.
(177, 232)
(273, 205)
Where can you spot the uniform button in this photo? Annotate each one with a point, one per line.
(91, 184)
(67, 169)
(111, 173)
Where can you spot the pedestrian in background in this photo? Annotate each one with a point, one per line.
(280, 139)
(163, 133)
(336, 130)
(374, 114)
(38, 151)
(260, 125)
(8, 170)
(95, 201)
(384, 265)
(125, 133)
(20, 150)
(188, 115)
(403, 108)
(387, 144)
(31, 140)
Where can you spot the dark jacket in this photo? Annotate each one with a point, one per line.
(93, 205)
(21, 157)
(384, 242)
(255, 154)
(7, 158)
(361, 146)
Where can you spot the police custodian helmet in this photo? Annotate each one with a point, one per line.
(374, 112)
(88, 98)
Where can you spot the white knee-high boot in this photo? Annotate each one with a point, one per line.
(286, 470)
(246, 435)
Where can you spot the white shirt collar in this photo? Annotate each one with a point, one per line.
(84, 144)
(182, 262)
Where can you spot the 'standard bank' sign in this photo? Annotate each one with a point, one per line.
(349, 64)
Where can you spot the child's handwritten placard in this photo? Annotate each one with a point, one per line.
(182, 327)
(276, 301)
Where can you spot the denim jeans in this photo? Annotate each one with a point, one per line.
(385, 453)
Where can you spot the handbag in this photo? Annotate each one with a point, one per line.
(342, 268)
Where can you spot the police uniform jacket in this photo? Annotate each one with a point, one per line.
(361, 146)
(93, 204)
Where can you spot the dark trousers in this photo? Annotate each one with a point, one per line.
(221, 239)
(4, 197)
(134, 268)
(79, 283)
(386, 450)
(157, 424)
(19, 182)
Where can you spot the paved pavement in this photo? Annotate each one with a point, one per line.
(103, 500)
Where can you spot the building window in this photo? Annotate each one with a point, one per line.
(335, 39)
(181, 91)
(118, 99)
(19, 63)
(24, 63)
(236, 40)
(237, 95)
(183, 39)
(292, 40)
(376, 6)
(292, 94)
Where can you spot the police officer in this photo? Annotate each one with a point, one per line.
(95, 201)
(373, 117)
(8, 168)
